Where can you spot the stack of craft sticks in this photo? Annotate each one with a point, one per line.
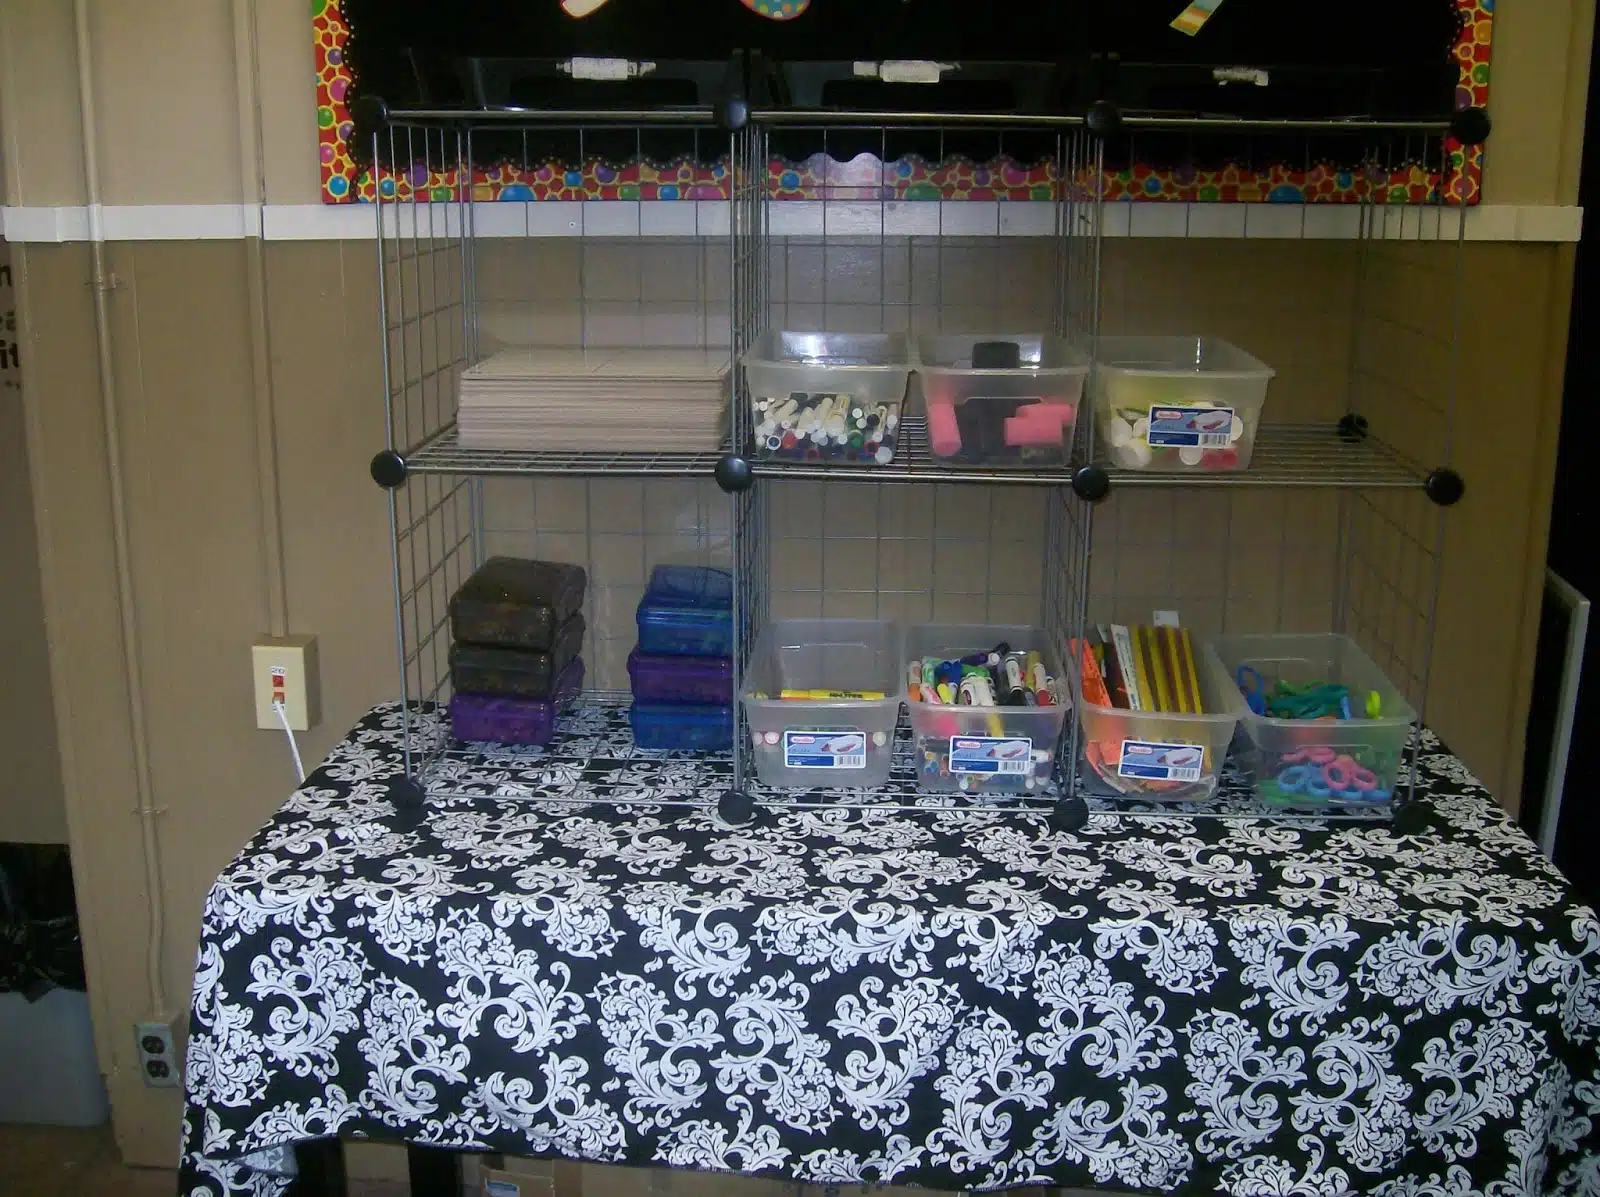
(1149, 668)
(621, 400)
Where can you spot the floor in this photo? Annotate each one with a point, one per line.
(48, 1161)
(44, 1161)
(52, 1161)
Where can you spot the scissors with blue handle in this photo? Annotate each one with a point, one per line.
(1252, 687)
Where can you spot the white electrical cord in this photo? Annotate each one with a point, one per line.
(294, 749)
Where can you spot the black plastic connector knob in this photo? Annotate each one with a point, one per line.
(733, 114)
(407, 793)
(370, 113)
(1352, 428)
(734, 474)
(389, 469)
(1414, 817)
(1445, 487)
(1471, 126)
(1105, 119)
(1091, 483)
(1069, 815)
(736, 808)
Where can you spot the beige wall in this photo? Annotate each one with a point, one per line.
(194, 404)
(32, 807)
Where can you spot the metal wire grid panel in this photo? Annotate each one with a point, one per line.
(1404, 377)
(749, 305)
(1332, 527)
(424, 278)
(461, 280)
(859, 260)
(431, 292)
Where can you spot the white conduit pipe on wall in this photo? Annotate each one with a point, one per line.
(100, 285)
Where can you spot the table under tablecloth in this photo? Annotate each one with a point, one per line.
(950, 999)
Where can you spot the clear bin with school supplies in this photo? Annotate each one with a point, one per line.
(822, 700)
(1177, 404)
(982, 749)
(833, 397)
(1001, 397)
(1339, 731)
(1172, 750)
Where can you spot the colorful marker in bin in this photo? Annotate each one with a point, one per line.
(825, 425)
(988, 756)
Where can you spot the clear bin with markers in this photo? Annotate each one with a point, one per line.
(982, 749)
(832, 397)
(1177, 404)
(1001, 397)
(1155, 756)
(836, 726)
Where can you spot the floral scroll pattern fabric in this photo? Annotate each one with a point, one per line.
(951, 1000)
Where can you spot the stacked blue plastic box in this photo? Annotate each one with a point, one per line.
(682, 671)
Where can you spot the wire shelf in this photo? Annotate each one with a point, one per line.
(1303, 456)
(445, 454)
(1286, 455)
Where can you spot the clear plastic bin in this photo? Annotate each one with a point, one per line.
(824, 741)
(687, 611)
(1154, 756)
(1307, 762)
(675, 727)
(986, 750)
(1177, 404)
(828, 396)
(1001, 397)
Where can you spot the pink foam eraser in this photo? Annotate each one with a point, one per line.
(944, 434)
(1056, 414)
(1021, 432)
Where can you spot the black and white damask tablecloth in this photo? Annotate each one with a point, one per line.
(950, 1000)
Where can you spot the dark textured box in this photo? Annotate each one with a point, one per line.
(503, 720)
(516, 672)
(513, 603)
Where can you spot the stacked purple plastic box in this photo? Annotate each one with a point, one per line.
(515, 662)
(682, 671)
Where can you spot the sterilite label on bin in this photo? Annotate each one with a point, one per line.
(990, 755)
(1190, 427)
(820, 748)
(1161, 762)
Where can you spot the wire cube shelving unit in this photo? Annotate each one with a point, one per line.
(1375, 470)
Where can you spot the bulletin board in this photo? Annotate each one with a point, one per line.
(346, 180)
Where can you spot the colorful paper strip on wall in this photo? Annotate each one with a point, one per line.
(344, 180)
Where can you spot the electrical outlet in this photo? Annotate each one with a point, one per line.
(158, 1054)
(284, 669)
